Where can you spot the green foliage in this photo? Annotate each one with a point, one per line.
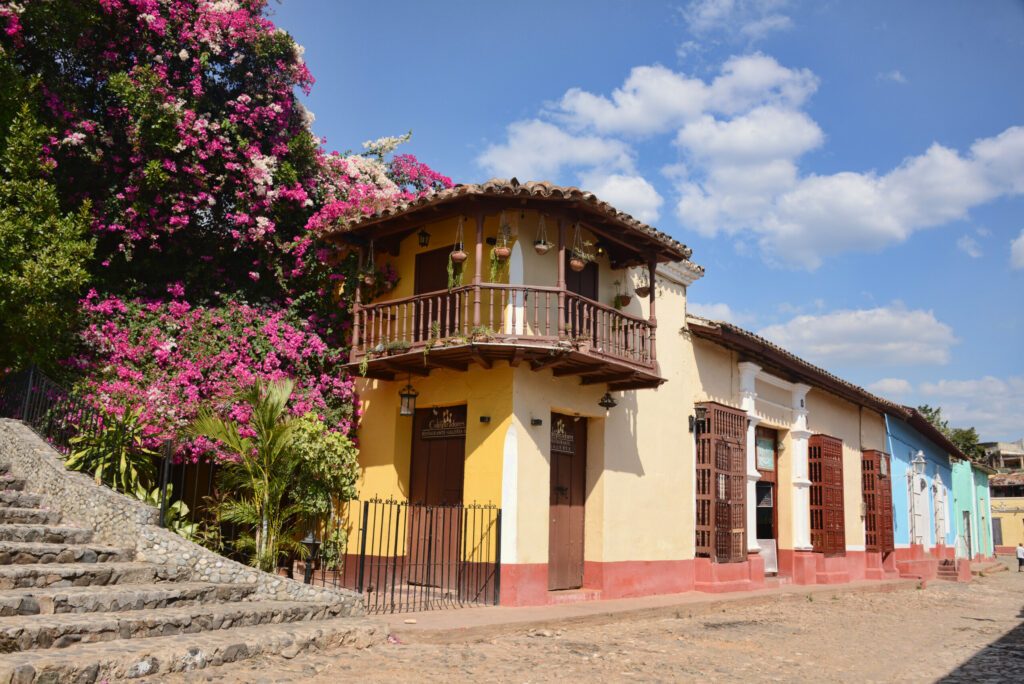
(328, 470)
(114, 454)
(258, 481)
(176, 518)
(334, 548)
(454, 274)
(44, 254)
(965, 439)
(497, 268)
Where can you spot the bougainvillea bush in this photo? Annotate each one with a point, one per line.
(178, 124)
(169, 358)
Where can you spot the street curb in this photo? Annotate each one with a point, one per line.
(478, 633)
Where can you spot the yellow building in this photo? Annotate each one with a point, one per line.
(544, 340)
(1007, 501)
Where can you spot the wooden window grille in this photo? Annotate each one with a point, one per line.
(877, 491)
(825, 466)
(720, 531)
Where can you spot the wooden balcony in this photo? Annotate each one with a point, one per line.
(547, 327)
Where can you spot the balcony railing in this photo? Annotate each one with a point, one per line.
(504, 314)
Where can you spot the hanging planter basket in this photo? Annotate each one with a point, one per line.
(459, 254)
(502, 252)
(501, 249)
(541, 244)
(577, 264)
(623, 300)
(643, 291)
(580, 255)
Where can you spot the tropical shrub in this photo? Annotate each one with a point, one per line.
(176, 516)
(114, 454)
(328, 470)
(255, 483)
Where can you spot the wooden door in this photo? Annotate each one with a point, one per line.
(877, 496)
(439, 313)
(435, 496)
(825, 466)
(568, 497)
(584, 283)
(721, 484)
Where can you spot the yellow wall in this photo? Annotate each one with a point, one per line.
(386, 438)
(1011, 511)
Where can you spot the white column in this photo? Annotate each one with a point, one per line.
(748, 400)
(801, 482)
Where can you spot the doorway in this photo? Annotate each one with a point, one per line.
(583, 283)
(436, 475)
(442, 310)
(967, 535)
(766, 460)
(567, 502)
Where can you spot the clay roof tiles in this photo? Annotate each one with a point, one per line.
(500, 187)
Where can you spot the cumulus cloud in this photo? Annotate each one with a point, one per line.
(538, 150)
(891, 387)
(889, 335)
(969, 246)
(630, 193)
(718, 311)
(749, 19)
(1017, 251)
(894, 76)
(995, 406)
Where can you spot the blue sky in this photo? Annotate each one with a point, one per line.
(851, 175)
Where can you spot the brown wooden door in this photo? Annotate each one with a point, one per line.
(825, 467)
(721, 484)
(435, 496)
(441, 311)
(877, 494)
(583, 283)
(568, 497)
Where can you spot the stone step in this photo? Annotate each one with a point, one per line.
(83, 574)
(31, 516)
(118, 597)
(159, 657)
(51, 534)
(31, 632)
(18, 499)
(10, 483)
(23, 553)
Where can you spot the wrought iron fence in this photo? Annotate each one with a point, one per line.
(406, 556)
(53, 412)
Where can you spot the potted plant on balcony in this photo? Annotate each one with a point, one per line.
(458, 254)
(622, 300)
(643, 288)
(454, 271)
(541, 244)
(581, 251)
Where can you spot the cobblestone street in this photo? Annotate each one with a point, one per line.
(945, 632)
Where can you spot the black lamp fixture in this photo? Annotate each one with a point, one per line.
(313, 547)
(697, 420)
(408, 395)
(424, 237)
(607, 402)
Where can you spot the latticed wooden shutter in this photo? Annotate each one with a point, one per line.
(825, 466)
(721, 484)
(877, 492)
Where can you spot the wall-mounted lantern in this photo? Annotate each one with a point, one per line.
(697, 420)
(408, 400)
(607, 402)
(536, 421)
(918, 463)
(424, 237)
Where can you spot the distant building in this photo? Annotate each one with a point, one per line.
(1005, 457)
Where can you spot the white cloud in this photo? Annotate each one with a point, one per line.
(749, 81)
(891, 387)
(538, 150)
(718, 312)
(895, 76)
(995, 406)
(1017, 251)
(764, 134)
(629, 193)
(750, 19)
(884, 336)
(969, 246)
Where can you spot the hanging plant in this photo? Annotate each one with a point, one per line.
(643, 289)
(502, 247)
(497, 265)
(458, 254)
(621, 300)
(581, 254)
(369, 272)
(454, 271)
(541, 244)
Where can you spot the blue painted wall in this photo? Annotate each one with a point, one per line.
(904, 442)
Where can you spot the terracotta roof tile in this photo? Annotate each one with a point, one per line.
(499, 187)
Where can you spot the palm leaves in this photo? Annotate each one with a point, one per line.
(256, 484)
(114, 454)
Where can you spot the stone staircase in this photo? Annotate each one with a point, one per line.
(947, 571)
(73, 609)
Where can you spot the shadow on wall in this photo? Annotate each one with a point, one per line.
(999, 661)
(625, 458)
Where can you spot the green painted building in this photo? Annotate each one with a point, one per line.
(972, 509)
